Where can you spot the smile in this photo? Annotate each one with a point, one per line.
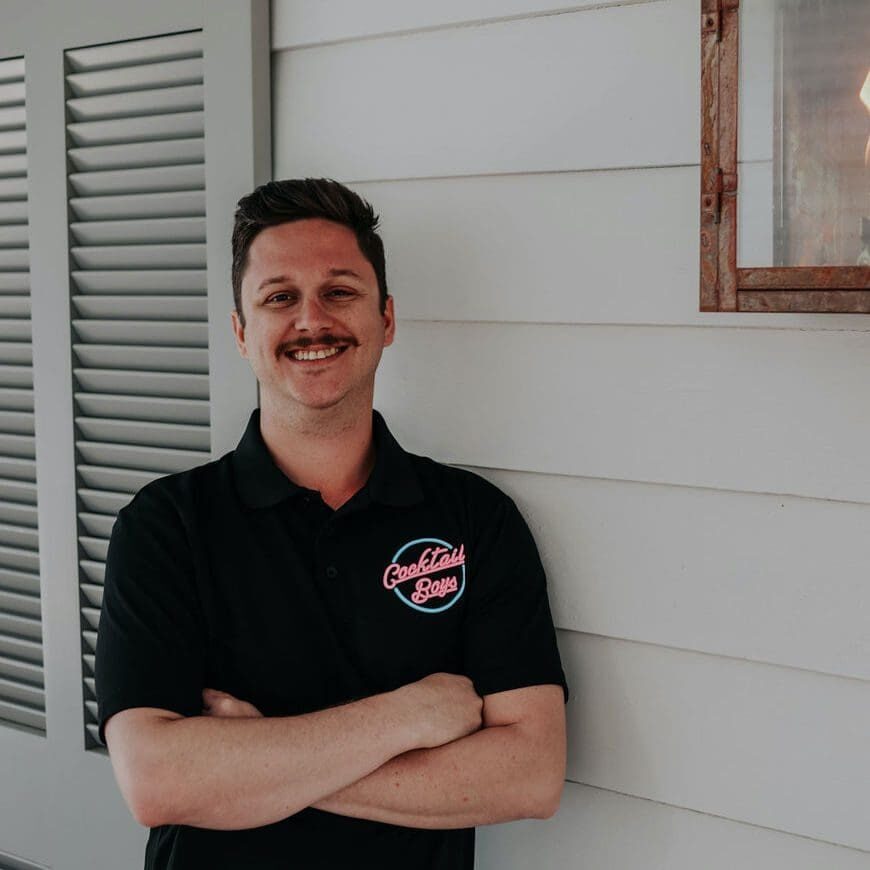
(314, 356)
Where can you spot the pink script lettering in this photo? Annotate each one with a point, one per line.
(427, 588)
(431, 560)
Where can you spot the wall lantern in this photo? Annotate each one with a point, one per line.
(785, 155)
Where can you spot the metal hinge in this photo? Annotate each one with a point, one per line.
(711, 200)
(711, 19)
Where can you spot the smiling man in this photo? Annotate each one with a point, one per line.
(321, 650)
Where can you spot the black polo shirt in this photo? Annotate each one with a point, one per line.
(231, 576)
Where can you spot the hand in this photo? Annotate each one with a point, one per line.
(445, 708)
(223, 704)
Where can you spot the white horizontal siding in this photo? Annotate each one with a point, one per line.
(772, 578)
(603, 830)
(775, 747)
(305, 22)
(548, 93)
(777, 411)
(537, 181)
(574, 247)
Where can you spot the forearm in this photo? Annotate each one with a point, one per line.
(235, 773)
(486, 777)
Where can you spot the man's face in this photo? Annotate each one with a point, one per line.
(293, 299)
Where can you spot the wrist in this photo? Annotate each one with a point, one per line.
(403, 719)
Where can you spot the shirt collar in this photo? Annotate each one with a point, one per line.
(261, 483)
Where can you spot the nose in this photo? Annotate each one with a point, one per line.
(311, 315)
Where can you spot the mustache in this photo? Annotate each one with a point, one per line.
(328, 340)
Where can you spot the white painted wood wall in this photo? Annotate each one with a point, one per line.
(698, 484)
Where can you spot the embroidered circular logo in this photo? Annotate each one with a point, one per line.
(427, 574)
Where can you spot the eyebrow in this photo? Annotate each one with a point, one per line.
(283, 279)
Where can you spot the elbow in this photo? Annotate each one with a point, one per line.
(548, 806)
(146, 805)
(548, 795)
(134, 787)
(145, 791)
(151, 814)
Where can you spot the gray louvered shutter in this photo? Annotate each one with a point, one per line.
(22, 686)
(138, 259)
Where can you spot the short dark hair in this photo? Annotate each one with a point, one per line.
(293, 199)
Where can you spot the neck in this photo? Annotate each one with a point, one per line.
(330, 450)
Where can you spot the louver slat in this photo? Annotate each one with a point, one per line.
(143, 307)
(175, 125)
(18, 649)
(20, 581)
(12, 535)
(22, 699)
(21, 670)
(127, 480)
(141, 281)
(11, 117)
(14, 140)
(188, 176)
(164, 203)
(170, 255)
(187, 98)
(155, 359)
(137, 78)
(13, 212)
(118, 232)
(151, 331)
(138, 278)
(26, 715)
(140, 432)
(136, 154)
(117, 55)
(16, 352)
(17, 376)
(12, 93)
(151, 408)
(107, 502)
(30, 696)
(12, 70)
(14, 236)
(18, 307)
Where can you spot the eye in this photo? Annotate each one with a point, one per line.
(276, 295)
(340, 291)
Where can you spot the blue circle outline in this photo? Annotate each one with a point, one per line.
(417, 606)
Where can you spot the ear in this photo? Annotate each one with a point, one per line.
(239, 333)
(389, 322)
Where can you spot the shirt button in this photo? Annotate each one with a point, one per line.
(331, 572)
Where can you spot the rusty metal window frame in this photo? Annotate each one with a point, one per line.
(724, 287)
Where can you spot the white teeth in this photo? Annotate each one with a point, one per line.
(314, 354)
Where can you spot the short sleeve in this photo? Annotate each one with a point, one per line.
(150, 638)
(510, 639)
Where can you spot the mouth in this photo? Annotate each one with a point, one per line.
(310, 357)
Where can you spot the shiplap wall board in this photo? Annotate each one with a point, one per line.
(777, 747)
(685, 567)
(548, 93)
(779, 411)
(313, 22)
(595, 828)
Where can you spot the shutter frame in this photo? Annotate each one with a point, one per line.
(137, 236)
(22, 679)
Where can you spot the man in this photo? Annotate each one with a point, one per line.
(367, 631)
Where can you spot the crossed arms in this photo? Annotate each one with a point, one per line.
(233, 769)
